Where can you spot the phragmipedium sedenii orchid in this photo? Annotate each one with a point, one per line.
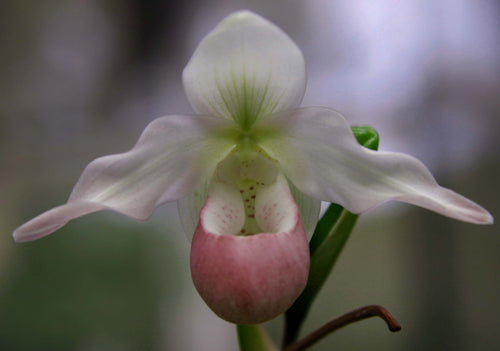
(249, 171)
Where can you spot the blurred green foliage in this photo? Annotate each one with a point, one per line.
(96, 284)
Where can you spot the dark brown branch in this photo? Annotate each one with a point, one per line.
(342, 321)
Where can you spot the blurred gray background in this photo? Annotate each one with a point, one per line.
(81, 79)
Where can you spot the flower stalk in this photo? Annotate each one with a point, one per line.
(253, 337)
(342, 321)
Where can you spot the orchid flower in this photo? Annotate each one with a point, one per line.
(249, 171)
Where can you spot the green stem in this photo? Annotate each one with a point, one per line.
(342, 321)
(253, 337)
(322, 261)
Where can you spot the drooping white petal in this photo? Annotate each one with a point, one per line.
(244, 69)
(48, 222)
(173, 156)
(320, 155)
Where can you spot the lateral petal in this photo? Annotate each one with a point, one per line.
(174, 155)
(246, 68)
(319, 154)
(48, 222)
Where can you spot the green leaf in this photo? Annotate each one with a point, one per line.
(366, 136)
(330, 217)
(327, 242)
(254, 338)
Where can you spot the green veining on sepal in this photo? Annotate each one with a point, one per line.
(254, 338)
(263, 94)
(325, 246)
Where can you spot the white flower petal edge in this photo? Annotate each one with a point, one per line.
(309, 209)
(320, 155)
(174, 155)
(245, 69)
(250, 279)
(189, 209)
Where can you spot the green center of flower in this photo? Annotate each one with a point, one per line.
(248, 171)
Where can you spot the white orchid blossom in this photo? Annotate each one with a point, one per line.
(249, 171)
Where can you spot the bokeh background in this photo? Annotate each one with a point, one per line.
(81, 79)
